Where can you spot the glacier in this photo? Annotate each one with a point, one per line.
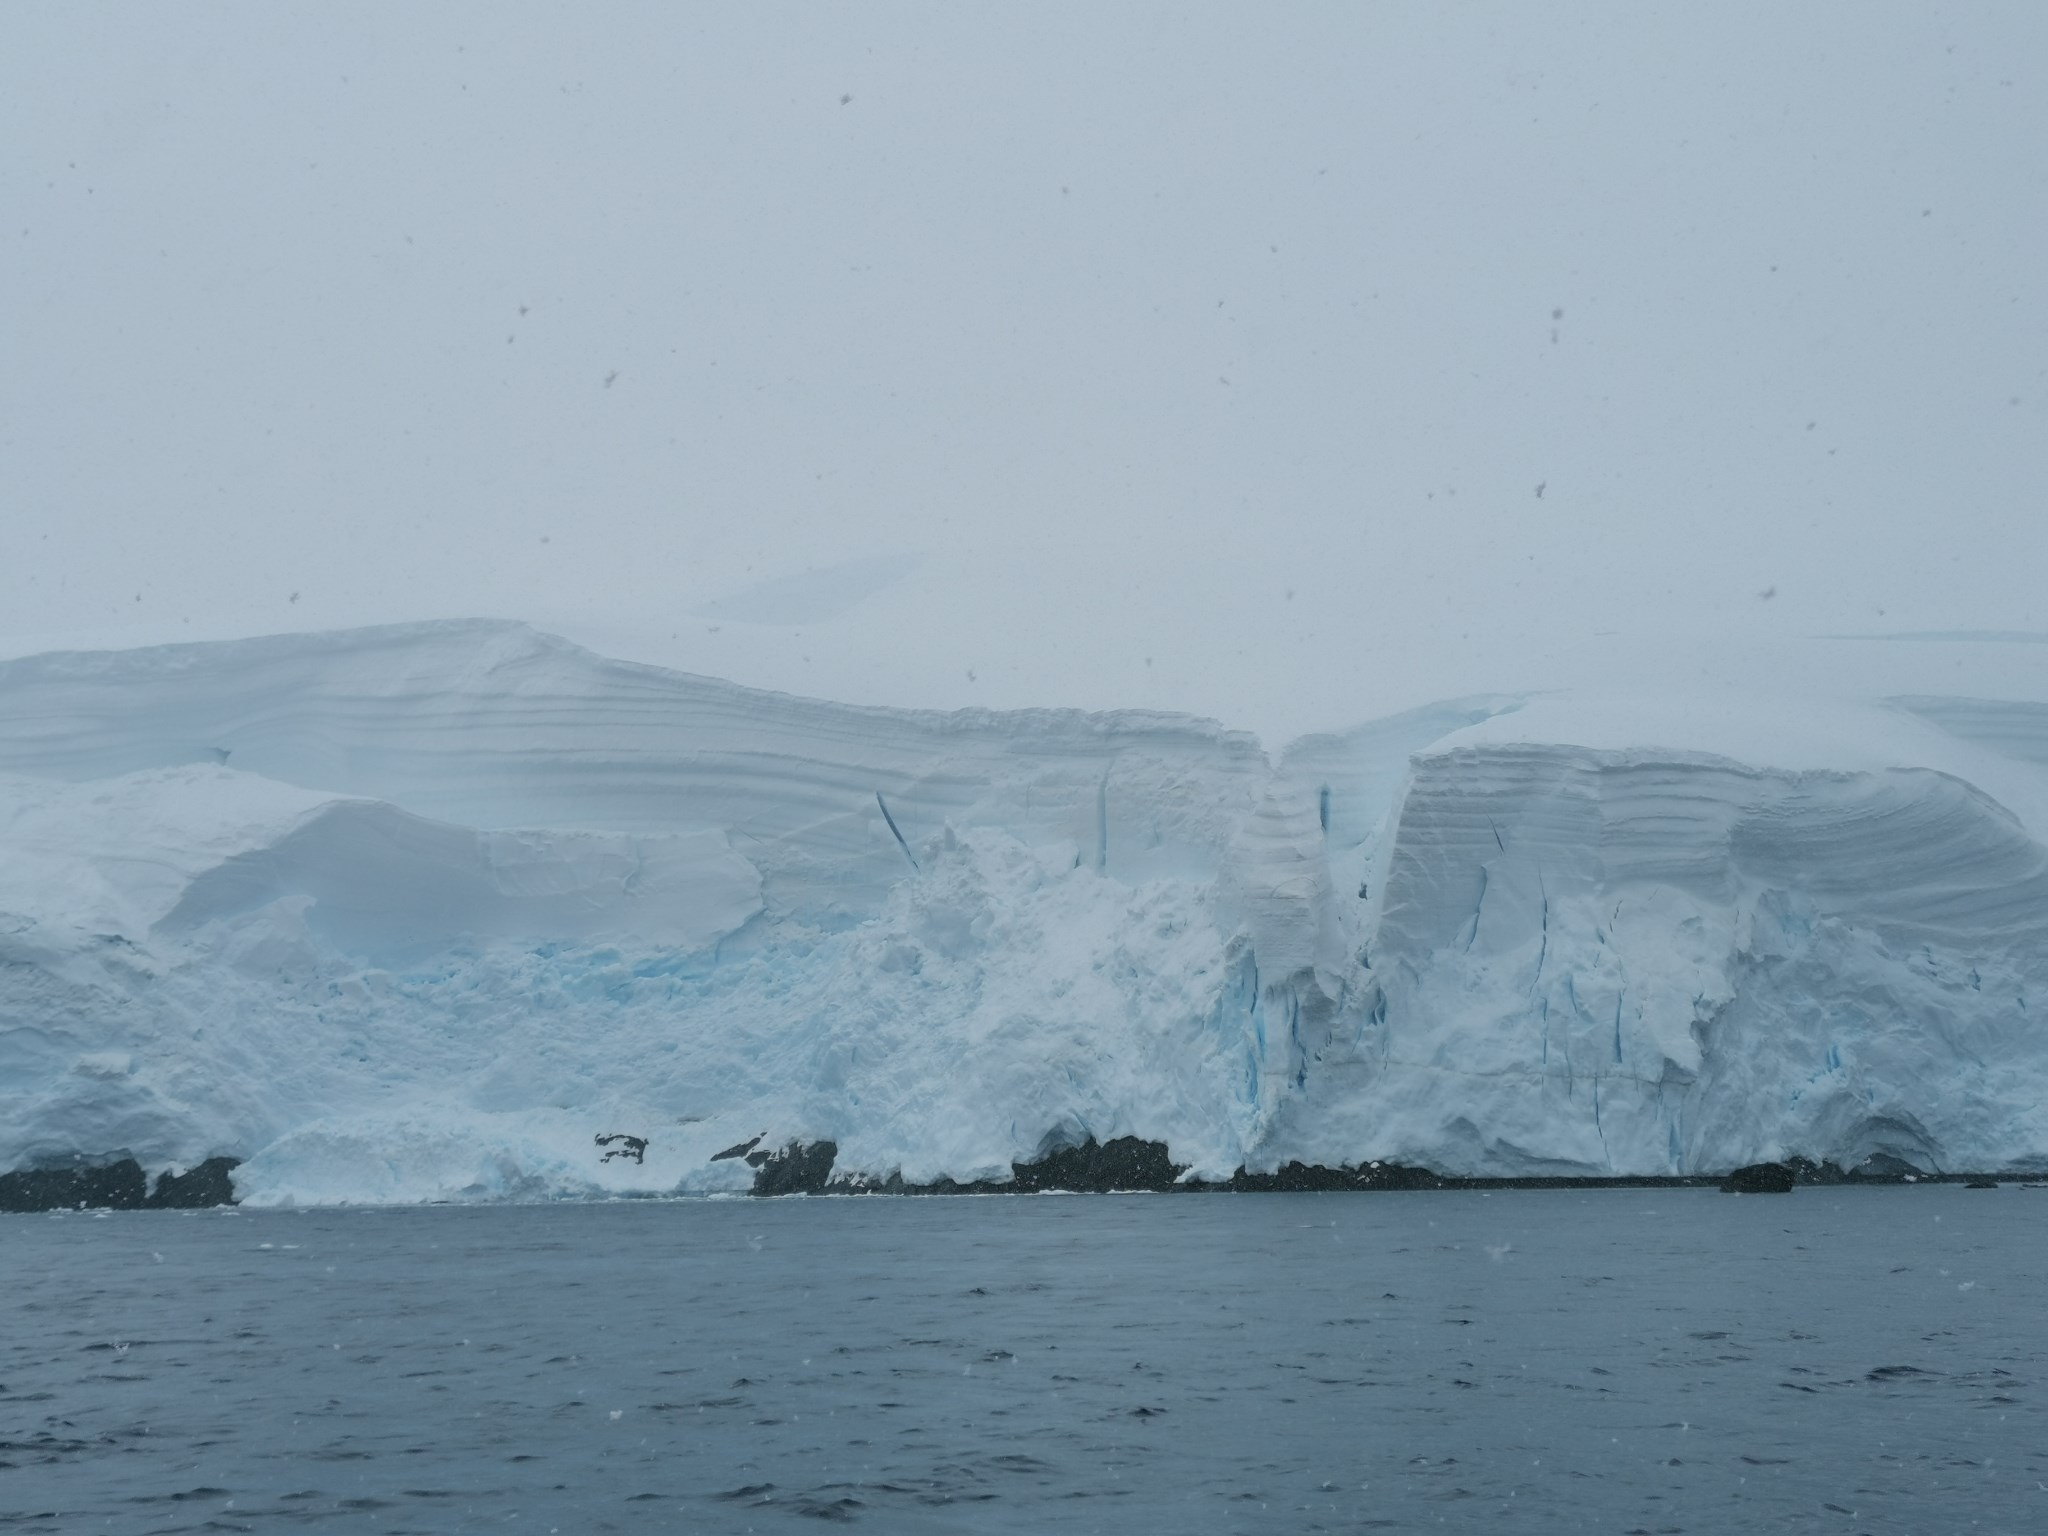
(416, 913)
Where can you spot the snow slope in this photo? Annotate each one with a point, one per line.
(417, 912)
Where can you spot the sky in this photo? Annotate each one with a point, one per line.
(1279, 363)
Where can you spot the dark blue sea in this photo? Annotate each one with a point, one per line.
(1854, 1360)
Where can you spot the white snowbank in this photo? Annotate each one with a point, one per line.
(418, 912)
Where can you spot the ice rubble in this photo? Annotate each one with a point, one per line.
(415, 912)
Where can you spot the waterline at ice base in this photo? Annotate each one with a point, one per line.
(420, 913)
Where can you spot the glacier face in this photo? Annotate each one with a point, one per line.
(416, 912)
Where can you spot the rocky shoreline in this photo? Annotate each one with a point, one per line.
(1124, 1165)
(1129, 1165)
(118, 1186)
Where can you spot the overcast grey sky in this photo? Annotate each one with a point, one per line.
(1266, 361)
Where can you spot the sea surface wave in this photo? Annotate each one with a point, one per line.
(1661, 1361)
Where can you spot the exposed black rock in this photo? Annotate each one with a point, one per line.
(1128, 1164)
(117, 1186)
(623, 1145)
(1124, 1163)
(892, 1184)
(1876, 1169)
(1300, 1178)
(1760, 1179)
(1294, 1178)
(196, 1188)
(800, 1168)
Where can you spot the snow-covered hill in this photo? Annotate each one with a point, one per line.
(418, 912)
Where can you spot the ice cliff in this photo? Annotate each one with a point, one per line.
(415, 913)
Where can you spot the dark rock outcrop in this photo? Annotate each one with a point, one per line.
(117, 1186)
(1877, 1169)
(196, 1188)
(1130, 1164)
(1760, 1179)
(1302, 1178)
(622, 1145)
(1125, 1163)
(800, 1168)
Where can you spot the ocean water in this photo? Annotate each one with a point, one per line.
(1627, 1361)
